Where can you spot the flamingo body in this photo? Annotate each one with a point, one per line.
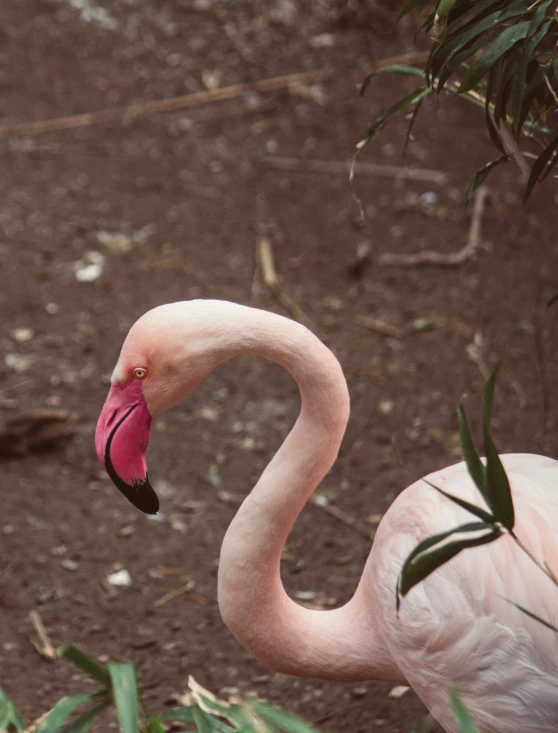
(458, 627)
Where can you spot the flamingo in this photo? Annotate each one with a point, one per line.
(457, 627)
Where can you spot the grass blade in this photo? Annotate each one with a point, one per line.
(183, 715)
(533, 615)
(553, 300)
(51, 722)
(84, 721)
(87, 664)
(472, 459)
(538, 169)
(10, 719)
(125, 694)
(462, 715)
(281, 719)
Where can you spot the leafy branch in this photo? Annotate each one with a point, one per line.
(490, 478)
(501, 55)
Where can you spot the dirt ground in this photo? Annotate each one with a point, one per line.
(172, 205)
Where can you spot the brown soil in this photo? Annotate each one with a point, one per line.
(197, 187)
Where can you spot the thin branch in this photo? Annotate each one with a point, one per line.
(143, 109)
(372, 169)
(454, 259)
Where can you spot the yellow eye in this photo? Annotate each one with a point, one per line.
(140, 373)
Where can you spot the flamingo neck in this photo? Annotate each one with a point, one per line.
(341, 644)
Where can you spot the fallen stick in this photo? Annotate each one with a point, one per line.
(335, 511)
(189, 586)
(372, 169)
(453, 259)
(266, 267)
(373, 324)
(43, 646)
(143, 109)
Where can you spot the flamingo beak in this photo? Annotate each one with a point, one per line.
(121, 439)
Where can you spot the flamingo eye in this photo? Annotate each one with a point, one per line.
(140, 373)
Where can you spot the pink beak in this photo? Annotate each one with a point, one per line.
(121, 439)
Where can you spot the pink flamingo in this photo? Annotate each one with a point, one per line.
(457, 627)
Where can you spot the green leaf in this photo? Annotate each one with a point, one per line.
(154, 725)
(282, 719)
(184, 715)
(444, 8)
(552, 301)
(474, 464)
(462, 715)
(125, 694)
(427, 562)
(475, 510)
(87, 664)
(538, 168)
(533, 615)
(424, 726)
(411, 5)
(204, 722)
(10, 719)
(496, 482)
(481, 175)
(498, 485)
(391, 68)
(83, 722)
(52, 721)
(507, 38)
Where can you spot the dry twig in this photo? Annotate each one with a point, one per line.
(373, 324)
(266, 270)
(335, 511)
(372, 169)
(189, 586)
(143, 109)
(454, 259)
(43, 645)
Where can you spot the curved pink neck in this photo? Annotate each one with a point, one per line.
(341, 644)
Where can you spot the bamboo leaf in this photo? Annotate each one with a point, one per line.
(532, 615)
(411, 5)
(87, 664)
(427, 562)
(391, 68)
(481, 175)
(462, 715)
(552, 301)
(205, 723)
(437, 538)
(125, 694)
(410, 128)
(471, 508)
(498, 485)
(56, 717)
(474, 464)
(507, 38)
(444, 8)
(539, 166)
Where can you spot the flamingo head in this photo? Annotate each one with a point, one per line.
(163, 358)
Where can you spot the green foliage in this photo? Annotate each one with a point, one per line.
(499, 54)
(492, 482)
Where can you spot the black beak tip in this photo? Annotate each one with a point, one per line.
(142, 496)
